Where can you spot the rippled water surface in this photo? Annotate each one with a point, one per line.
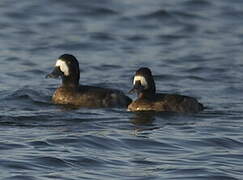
(194, 47)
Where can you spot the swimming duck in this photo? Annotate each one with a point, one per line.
(72, 93)
(149, 100)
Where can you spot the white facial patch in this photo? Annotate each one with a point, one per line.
(142, 81)
(63, 66)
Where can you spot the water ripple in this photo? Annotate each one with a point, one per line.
(194, 47)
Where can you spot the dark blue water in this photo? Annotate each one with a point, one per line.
(194, 47)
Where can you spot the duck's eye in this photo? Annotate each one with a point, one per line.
(142, 81)
(63, 66)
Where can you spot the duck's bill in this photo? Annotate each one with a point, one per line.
(131, 91)
(55, 73)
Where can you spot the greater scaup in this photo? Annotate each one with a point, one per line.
(149, 100)
(70, 92)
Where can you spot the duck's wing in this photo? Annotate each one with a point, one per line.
(180, 103)
(103, 97)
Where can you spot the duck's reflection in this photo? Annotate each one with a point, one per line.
(143, 121)
(143, 118)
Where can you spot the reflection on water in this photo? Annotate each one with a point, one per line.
(143, 118)
(143, 121)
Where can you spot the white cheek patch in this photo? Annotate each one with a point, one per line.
(142, 81)
(63, 66)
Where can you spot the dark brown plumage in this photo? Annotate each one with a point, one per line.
(149, 100)
(70, 92)
(90, 97)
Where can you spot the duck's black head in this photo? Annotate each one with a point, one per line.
(66, 67)
(143, 83)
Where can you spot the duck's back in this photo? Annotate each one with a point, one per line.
(90, 97)
(167, 103)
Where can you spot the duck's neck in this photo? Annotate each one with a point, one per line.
(146, 94)
(69, 81)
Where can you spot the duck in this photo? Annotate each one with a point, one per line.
(149, 100)
(72, 93)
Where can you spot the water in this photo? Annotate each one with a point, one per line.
(194, 47)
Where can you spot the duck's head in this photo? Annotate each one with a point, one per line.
(143, 82)
(66, 67)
